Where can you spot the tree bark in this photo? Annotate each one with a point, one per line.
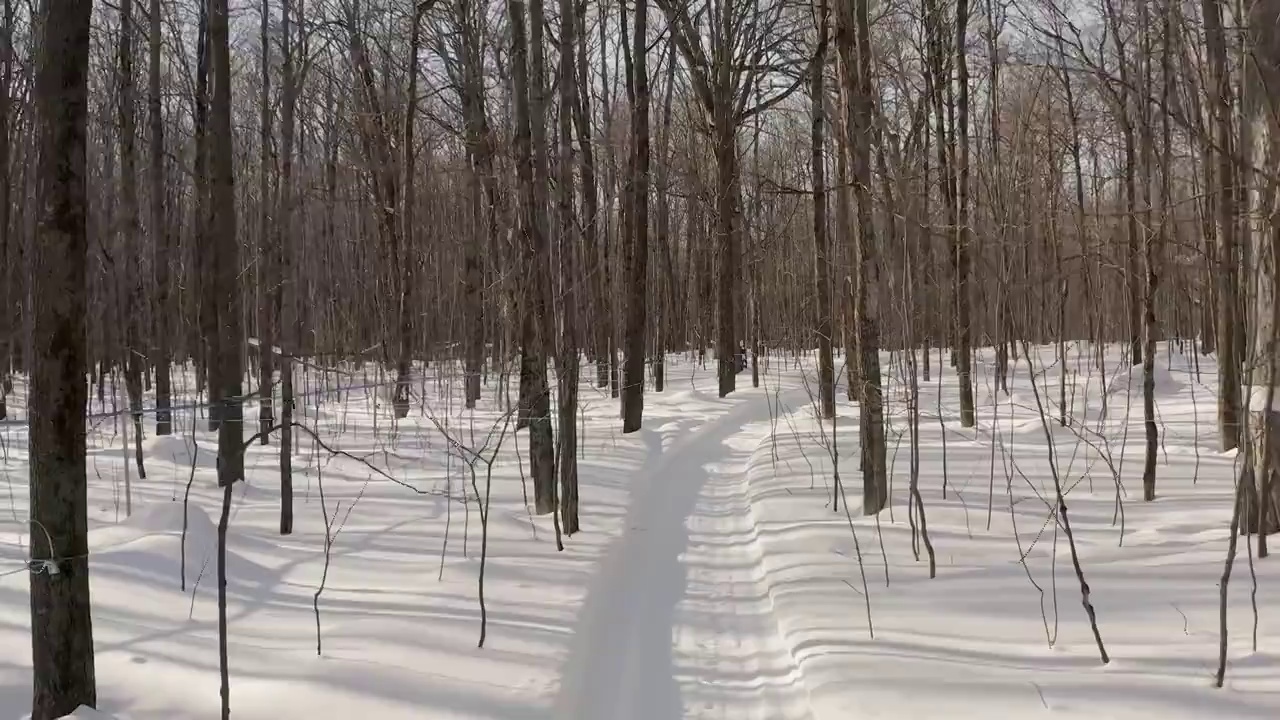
(638, 224)
(286, 295)
(1225, 217)
(9, 255)
(227, 368)
(160, 236)
(568, 351)
(131, 293)
(535, 338)
(821, 261)
(268, 270)
(483, 193)
(963, 232)
(61, 622)
(854, 45)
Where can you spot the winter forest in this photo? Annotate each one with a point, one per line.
(622, 359)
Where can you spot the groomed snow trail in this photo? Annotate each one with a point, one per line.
(679, 621)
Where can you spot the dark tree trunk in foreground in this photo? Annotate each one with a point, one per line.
(8, 245)
(853, 43)
(638, 244)
(227, 360)
(1260, 120)
(226, 366)
(61, 622)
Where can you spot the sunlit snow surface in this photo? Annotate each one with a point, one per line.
(712, 578)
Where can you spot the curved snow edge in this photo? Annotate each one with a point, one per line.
(767, 577)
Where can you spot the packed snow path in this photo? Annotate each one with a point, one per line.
(679, 622)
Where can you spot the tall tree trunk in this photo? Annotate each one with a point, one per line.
(569, 245)
(532, 227)
(268, 270)
(1225, 212)
(844, 224)
(286, 295)
(606, 353)
(8, 248)
(61, 622)
(668, 287)
(963, 232)
(483, 192)
(638, 223)
(821, 261)
(591, 225)
(408, 229)
(131, 293)
(202, 220)
(727, 227)
(854, 45)
(227, 369)
(1148, 280)
(542, 461)
(160, 236)
(1260, 116)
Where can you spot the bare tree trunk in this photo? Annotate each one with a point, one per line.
(854, 45)
(821, 261)
(203, 238)
(1124, 96)
(963, 232)
(1225, 212)
(569, 245)
(532, 226)
(8, 248)
(591, 225)
(542, 461)
(483, 192)
(664, 335)
(61, 622)
(1259, 115)
(226, 371)
(268, 270)
(160, 236)
(408, 229)
(638, 222)
(727, 227)
(606, 352)
(226, 368)
(286, 296)
(135, 357)
(847, 283)
(1148, 274)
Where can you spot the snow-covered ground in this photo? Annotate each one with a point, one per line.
(713, 577)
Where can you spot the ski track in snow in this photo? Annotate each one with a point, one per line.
(680, 623)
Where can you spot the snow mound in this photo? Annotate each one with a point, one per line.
(164, 518)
